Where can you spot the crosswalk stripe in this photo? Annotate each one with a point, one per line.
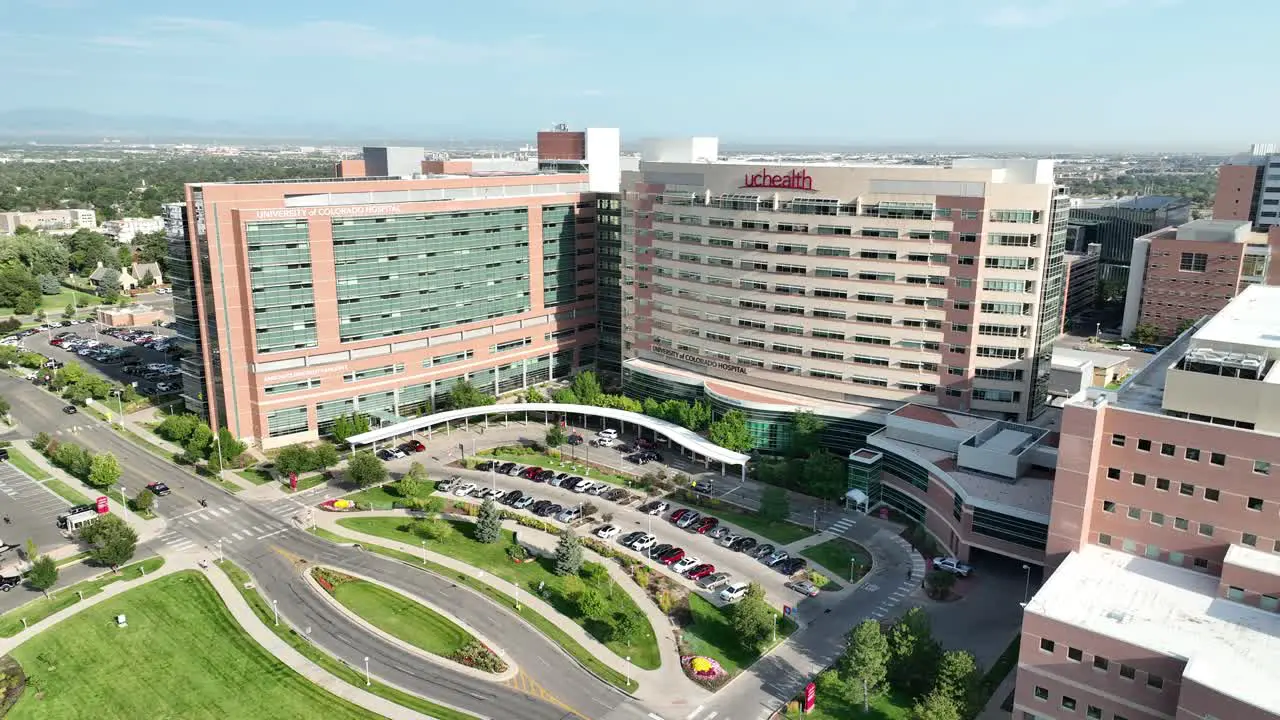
(235, 535)
(694, 714)
(195, 519)
(273, 533)
(183, 545)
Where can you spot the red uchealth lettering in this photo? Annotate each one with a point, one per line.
(793, 180)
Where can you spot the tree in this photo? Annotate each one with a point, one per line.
(1146, 333)
(775, 504)
(88, 250)
(866, 660)
(112, 541)
(556, 437)
(147, 280)
(465, 395)
(586, 387)
(43, 574)
(174, 428)
(434, 530)
(565, 396)
(752, 619)
(124, 256)
(731, 432)
(296, 458)
(936, 706)
(1184, 326)
(26, 304)
(229, 447)
(568, 553)
(16, 281)
(938, 584)
(825, 475)
(489, 522)
(69, 311)
(104, 471)
(913, 653)
(806, 431)
(591, 604)
(109, 286)
(4, 406)
(960, 680)
(49, 285)
(365, 469)
(410, 486)
(144, 501)
(324, 456)
(627, 625)
(197, 444)
(534, 395)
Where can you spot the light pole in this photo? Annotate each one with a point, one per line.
(517, 598)
(219, 549)
(1097, 333)
(119, 403)
(628, 674)
(123, 502)
(367, 683)
(815, 519)
(424, 552)
(275, 608)
(853, 564)
(1026, 592)
(774, 634)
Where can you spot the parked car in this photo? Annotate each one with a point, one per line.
(630, 538)
(688, 519)
(607, 532)
(791, 566)
(615, 494)
(603, 442)
(743, 545)
(570, 515)
(607, 434)
(657, 507)
(685, 564)
(673, 556)
(551, 510)
(1126, 347)
(952, 565)
(657, 551)
(69, 409)
(705, 525)
(575, 439)
(544, 475)
(679, 513)
(777, 557)
(530, 472)
(729, 539)
(485, 466)
(507, 468)
(511, 497)
(697, 572)
(523, 502)
(718, 532)
(447, 486)
(417, 445)
(538, 506)
(493, 494)
(763, 551)
(735, 592)
(644, 543)
(714, 581)
(598, 489)
(804, 587)
(464, 489)
(583, 486)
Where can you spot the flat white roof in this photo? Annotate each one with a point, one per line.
(680, 435)
(1228, 646)
(1103, 360)
(1253, 559)
(1251, 320)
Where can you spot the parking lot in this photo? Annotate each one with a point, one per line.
(141, 356)
(31, 511)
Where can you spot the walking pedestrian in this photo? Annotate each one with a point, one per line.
(910, 570)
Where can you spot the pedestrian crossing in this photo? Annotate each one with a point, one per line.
(914, 576)
(840, 526)
(176, 540)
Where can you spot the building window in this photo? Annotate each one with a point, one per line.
(1212, 494)
(1186, 489)
(1093, 713)
(1206, 529)
(1262, 467)
(1117, 440)
(1109, 506)
(1162, 484)
(1157, 518)
(1177, 558)
(1128, 672)
(1219, 459)
(1155, 681)
(1181, 523)
(1068, 703)
(1042, 693)
(1193, 262)
(1153, 552)
(1144, 445)
(1129, 546)
(1200, 563)
(1113, 473)
(1249, 539)
(1269, 603)
(1046, 645)
(1104, 539)
(1235, 593)
(1101, 663)
(1168, 449)
(1192, 454)
(1139, 479)
(1254, 503)
(1135, 513)
(1075, 654)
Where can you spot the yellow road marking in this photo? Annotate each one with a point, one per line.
(527, 685)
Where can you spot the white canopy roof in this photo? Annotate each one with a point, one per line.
(680, 435)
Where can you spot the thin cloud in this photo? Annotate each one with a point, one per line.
(121, 41)
(1043, 13)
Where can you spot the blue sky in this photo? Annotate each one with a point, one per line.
(1059, 73)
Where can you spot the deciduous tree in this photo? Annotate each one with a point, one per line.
(913, 653)
(775, 504)
(866, 660)
(365, 469)
(731, 432)
(43, 574)
(586, 387)
(104, 471)
(555, 437)
(113, 542)
(752, 619)
(936, 706)
(960, 679)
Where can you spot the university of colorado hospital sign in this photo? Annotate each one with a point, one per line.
(794, 180)
(338, 211)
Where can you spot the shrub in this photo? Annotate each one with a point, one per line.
(41, 441)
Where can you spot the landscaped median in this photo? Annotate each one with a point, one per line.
(544, 624)
(412, 622)
(327, 662)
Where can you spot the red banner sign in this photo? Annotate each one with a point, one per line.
(810, 696)
(794, 180)
(293, 481)
(101, 505)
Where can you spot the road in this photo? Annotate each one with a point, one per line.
(276, 554)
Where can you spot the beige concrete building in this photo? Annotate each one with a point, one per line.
(67, 219)
(870, 285)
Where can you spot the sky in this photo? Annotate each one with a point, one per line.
(1106, 74)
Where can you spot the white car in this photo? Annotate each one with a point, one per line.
(1126, 348)
(608, 434)
(657, 507)
(685, 564)
(493, 493)
(952, 565)
(584, 486)
(605, 442)
(464, 489)
(735, 592)
(607, 532)
(644, 543)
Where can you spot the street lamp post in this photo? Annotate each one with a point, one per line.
(275, 609)
(123, 502)
(1026, 591)
(853, 564)
(367, 682)
(628, 674)
(815, 519)
(219, 549)
(424, 552)
(774, 635)
(1097, 333)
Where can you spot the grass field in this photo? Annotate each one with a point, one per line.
(711, 634)
(882, 707)
(401, 617)
(18, 459)
(71, 559)
(332, 665)
(181, 656)
(385, 497)
(839, 556)
(55, 304)
(255, 476)
(68, 493)
(544, 625)
(642, 646)
(61, 598)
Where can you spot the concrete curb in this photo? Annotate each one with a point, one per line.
(511, 671)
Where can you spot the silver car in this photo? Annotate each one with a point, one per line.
(714, 581)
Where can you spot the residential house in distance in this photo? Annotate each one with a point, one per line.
(131, 278)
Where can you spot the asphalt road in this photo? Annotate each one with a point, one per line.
(276, 564)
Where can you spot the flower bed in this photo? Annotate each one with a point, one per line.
(704, 670)
(478, 655)
(338, 505)
(329, 579)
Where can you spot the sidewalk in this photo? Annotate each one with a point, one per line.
(656, 687)
(993, 710)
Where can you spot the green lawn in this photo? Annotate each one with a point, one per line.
(255, 476)
(385, 497)
(882, 707)
(19, 460)
(545, 625)
(61, 598)
(68, 493)
(330, 664)
(401, 617)
(710, 634)
(55, 304)
(642, 647)
(838, 556)
(72, 559)
(565, 463)
(780, 533)
(182, 655)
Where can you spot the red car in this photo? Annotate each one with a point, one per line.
(673, 556)
(706, 525)
(675, 516)
(697, 572)
(417, 446)
(530, 472)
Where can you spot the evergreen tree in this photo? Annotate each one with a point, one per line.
(489, 522)
(959, 678)
(568, 553)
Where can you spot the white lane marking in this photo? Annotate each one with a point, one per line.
(693, 714)
(183, 545)
(711, 716)
(255, 528)
(194, 520)
(224, 511)
(271, 534)
(235, 535)
(655, 717)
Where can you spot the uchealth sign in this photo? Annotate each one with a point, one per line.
(691, 358)
(793, 180)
